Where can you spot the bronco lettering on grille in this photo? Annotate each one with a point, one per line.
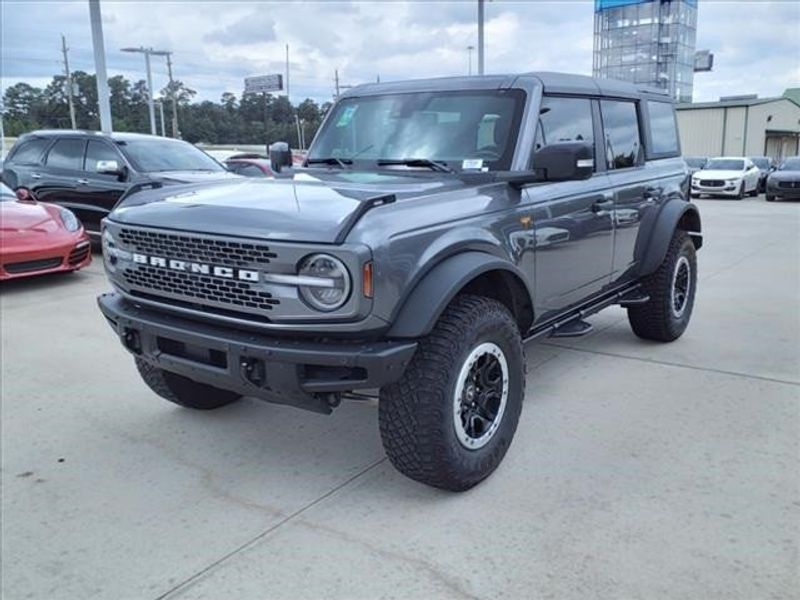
(196, 268)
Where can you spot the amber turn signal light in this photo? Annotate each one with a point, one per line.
(366, 279)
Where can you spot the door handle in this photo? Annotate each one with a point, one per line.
(602, 205)
(82, 182)
(35, 176)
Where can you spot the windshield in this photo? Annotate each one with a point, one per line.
(791, 164)
(149, 156)
(695, 162)
(724, 164)
(6, 193)
(761, 162)
(474, 130)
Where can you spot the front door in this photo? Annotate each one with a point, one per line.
(572, 220)
(99, 192)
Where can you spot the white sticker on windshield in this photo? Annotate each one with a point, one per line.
(472, 164)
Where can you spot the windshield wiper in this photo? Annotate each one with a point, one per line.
(417, 162)
(330, 160)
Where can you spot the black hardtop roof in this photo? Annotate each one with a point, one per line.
(117, 136)
(554, 83)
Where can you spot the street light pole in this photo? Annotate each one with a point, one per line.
(470, 49)
(103, 102)
(480, 37)
(150, 102)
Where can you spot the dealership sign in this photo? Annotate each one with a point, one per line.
(263, 84)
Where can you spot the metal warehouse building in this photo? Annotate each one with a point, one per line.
(744, 126)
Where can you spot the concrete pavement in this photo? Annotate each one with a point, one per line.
(638, 470)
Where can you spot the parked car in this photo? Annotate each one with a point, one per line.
(88, 171)
(249, 165)
(695, 163)
(731, 176)
(438, 224)
(38, 238)
(765, 167)
(784, 182)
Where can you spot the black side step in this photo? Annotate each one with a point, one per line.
(574, 328)
(634, 298)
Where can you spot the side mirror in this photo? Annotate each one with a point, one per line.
(25, 195)
(280, 155)
(111, 167)
(570, 161)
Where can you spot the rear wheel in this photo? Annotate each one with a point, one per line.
(770, 198)
(450, 419)
(182, 390)
(754, 191)
(671, 289)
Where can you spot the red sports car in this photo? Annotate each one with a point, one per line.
(38, 238)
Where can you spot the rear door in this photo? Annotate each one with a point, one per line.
(634, 192)
(99, 192)
(23, 166)
(572, 220)
(63, 166)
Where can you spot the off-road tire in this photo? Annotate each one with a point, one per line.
(183, 391)
(416, 413)
(656, 320)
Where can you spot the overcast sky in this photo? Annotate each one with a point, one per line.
(217, 44)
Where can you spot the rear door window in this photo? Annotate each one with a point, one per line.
(663, 130)
(621, 126)
(67, 154)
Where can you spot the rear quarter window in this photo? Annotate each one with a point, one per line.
(29, 152)
(663, 129)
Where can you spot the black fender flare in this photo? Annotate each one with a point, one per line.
(675, 213)
(436, 289)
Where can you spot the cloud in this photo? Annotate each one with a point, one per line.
(254, 28)
(217, 44)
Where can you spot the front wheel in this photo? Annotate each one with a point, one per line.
(671, 289)
(182, 390)
(450, 419)
(740, 195)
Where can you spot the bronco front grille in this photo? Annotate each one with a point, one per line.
(199, 290)
(194, 248)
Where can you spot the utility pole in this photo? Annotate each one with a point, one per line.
(287, 74)
(480, 37)
(103, 102)
(161, 113)
(172, 93)
(150, 101)
(64, 49)
(336, 81)
(470, 49)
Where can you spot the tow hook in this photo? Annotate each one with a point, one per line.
(132, 341)
(253, 370)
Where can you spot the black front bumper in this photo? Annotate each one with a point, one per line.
(300, 372)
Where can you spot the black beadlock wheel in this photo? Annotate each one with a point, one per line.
(450, 419)
(671, 289)
(182, 390)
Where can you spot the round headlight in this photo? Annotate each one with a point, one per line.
(328, 285)
(69, 219)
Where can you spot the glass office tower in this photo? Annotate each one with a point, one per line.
(647, 41)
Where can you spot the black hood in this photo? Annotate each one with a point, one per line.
(307, 207)
(785, 176)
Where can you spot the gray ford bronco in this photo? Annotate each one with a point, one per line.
(434, 228)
